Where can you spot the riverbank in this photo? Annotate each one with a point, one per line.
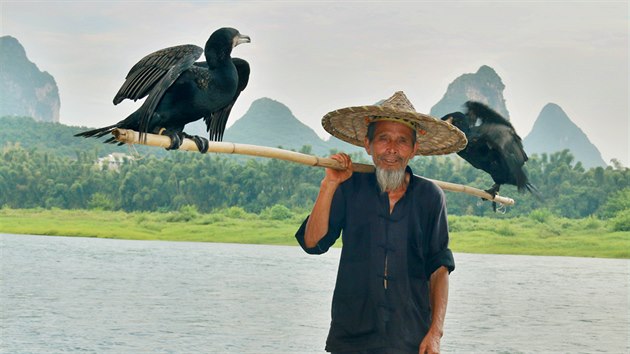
(541, 234)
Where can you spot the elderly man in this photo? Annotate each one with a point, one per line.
(392, 284)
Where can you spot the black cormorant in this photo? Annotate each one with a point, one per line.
(493, 146)
(181, 90)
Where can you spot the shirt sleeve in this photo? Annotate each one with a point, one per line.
(335, 225)
(439, 254)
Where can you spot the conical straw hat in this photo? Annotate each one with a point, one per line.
(434, 136)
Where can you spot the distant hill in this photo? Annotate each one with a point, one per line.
(29, 96)
(267, 123)
(270, 123)
(25, 90)
(554, 131)
(58, 139)
(484, 86)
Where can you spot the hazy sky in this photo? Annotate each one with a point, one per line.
(317, 56)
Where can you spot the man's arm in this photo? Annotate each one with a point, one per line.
(317, 224)
(439, 299)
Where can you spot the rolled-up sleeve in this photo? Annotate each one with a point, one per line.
(439, 254)
(335, 225)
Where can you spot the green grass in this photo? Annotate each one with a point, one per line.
(549, 235)
(245, 228)
(552, 236)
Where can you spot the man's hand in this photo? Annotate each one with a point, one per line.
(431, 343)
(438, 295)
(339, 176)
(317, 224)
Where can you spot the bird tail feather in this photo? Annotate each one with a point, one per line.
(97, 133)
(534, 191)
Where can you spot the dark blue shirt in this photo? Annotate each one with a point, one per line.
(381, 297)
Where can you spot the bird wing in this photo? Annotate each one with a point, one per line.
(505, 138)
(217, 120)
(477, 111)
(507, 148)
(151, 69)
(154, 74)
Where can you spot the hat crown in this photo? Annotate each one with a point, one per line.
(436, 137)
(398, 101)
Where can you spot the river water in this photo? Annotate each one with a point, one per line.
(62, 294)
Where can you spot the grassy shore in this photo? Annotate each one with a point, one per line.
(537, 235)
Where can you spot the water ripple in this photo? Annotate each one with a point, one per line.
(80, 295)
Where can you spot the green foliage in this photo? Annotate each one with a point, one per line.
(100, 201)
(235, 213)
(541, 215)
(277, 212)
(42, 177)
(617, 202)
(591, 223)
(621, 221)
(185, 213)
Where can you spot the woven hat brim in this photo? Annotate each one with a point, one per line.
(434, 136)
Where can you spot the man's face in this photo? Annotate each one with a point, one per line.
(392, 146)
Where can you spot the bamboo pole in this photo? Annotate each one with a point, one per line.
(133, 137)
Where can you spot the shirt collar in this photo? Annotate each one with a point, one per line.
(411, 179)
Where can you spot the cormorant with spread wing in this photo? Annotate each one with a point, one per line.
(493, 146)
(181, 91)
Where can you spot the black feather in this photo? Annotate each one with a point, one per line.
(179, 91)
(493, 146)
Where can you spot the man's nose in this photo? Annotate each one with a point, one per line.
(390, 148)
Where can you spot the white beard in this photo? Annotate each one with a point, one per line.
(390, 180)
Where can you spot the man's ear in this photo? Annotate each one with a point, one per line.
(416, 146)
(366, 145)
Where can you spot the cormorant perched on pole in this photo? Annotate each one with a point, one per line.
(493, 146)
(181, 91)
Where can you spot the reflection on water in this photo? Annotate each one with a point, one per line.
(61, 294)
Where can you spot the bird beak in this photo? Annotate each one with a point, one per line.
(241, 38)
(449, 120)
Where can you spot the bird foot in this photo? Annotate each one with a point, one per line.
(493, 191)
(176, 138)
(176, 141)
(202, 143)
